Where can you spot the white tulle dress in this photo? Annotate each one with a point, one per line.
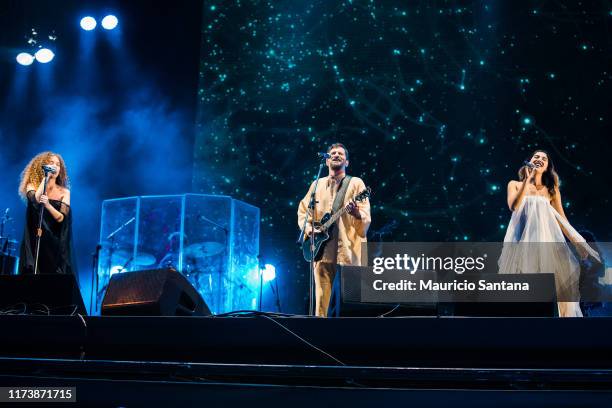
(537, 222)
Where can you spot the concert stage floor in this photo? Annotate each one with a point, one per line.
(299, 360)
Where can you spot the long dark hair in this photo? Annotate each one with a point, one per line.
(550, 178)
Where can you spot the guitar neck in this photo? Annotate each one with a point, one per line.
(334, 218)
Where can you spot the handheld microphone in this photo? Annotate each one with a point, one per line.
(49, 169)
(529, 164)
(324, 155)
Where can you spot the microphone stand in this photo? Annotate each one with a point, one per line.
(40, 221)
(260, 266)
(221, 227)
(4, 245)
(96, 257)
(276, 294)
(311, 205)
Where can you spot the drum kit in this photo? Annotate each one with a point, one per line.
(202, 262)
(199, 265)
(194, 254)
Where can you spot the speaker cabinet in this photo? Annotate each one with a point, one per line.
(346, 299)
(53, 294)
(157, 292)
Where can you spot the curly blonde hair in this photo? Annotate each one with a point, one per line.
(33, 173)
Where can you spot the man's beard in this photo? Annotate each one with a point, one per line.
(336, 165)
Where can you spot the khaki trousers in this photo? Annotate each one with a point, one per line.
(324, 274)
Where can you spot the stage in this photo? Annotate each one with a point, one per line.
(353, 361)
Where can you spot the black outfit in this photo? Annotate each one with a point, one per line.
(56, 242)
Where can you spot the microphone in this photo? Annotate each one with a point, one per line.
(324, 155)
(6, 216)
(529, 164)
(49, 169)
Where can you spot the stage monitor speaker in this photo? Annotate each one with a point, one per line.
(54, 294)
(156, 292)
(346, 299)
(543, 281)
(499, 309)
(346, 302)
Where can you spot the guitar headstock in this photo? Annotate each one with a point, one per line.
(364, 194)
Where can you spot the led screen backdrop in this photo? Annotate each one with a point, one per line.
(439, 102)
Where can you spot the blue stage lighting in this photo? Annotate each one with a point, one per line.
(88, 23)
(116, 269)
(269, 273)
(44, 55)
(24, 58)
(109, 22)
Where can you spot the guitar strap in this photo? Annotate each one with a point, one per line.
(339, 200)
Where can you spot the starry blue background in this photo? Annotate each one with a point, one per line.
(439, 102)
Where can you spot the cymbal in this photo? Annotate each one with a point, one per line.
(122, 256)
(203, 249)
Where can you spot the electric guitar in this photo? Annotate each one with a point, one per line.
(324, 224)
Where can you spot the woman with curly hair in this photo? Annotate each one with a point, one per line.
(55, 254)
(535, 238)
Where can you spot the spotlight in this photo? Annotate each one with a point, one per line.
(24, 58)
(116, 269)
(88, 23)
(109, 22)
(268, 273)
(44, 55)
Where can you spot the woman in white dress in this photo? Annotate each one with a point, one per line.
(538, 218)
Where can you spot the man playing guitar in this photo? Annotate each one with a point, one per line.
(349, 233)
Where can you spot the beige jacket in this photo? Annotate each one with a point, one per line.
(346, 246)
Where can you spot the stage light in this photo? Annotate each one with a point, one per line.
(268, 273)
(88, 23)
(116, 269)
(109, 22)
(44, 55)
(24, 58)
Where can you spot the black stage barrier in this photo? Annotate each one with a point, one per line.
(430, 361)
(168, 384)
(417, 341)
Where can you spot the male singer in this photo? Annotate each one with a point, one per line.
(344, 247)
